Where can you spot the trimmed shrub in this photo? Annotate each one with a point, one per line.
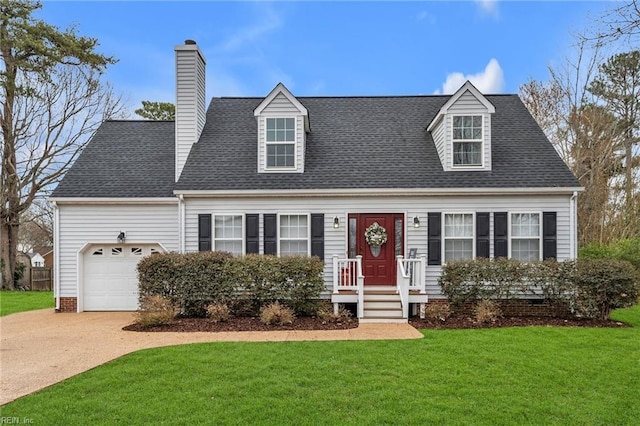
(602, 285)
(303, 283)
(218, 312)
(276, 314)
(155, 310)
(437, 311)
(486, 311)
(590, 287)
(472, 280)
(195, 280)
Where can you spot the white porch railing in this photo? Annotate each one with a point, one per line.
(347, 275)
(417, 270)
(402, 287)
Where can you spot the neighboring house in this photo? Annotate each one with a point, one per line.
(47, 253)
(37, 261)
(448, 177)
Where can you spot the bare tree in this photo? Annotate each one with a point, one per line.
(52, 101)
(617, 87)
(36, 226)
(586, 135)
(622, 22)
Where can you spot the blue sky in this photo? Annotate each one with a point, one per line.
(330, 48)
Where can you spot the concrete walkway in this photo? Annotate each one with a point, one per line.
(40, 348)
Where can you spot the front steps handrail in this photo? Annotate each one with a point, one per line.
(403, 280)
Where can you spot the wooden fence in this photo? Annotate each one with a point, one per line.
(41, 279)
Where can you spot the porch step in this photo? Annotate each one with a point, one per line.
(382, 304)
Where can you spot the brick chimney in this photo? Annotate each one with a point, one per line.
(190, 100)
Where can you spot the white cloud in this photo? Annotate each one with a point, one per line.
(268, 22)
(491, 80)
(488, 7)
(426, 16)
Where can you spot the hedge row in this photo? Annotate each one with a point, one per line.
(590, 287)
(194, 280)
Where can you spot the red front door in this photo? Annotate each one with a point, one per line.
(378, 263)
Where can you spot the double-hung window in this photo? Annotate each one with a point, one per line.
(525, 236)
(458, 236)
(467, 140)
(228, 233)
(294, 234)
(281, 143)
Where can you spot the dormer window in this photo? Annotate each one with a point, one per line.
(467, 140)
(283, 125)
(281, 143)
(461, 131)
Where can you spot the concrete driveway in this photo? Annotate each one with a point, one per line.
(40, 348)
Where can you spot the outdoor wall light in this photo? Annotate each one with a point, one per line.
(121, 237)
(336, 222)
(416, 222)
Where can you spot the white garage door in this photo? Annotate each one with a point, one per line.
(110, 278)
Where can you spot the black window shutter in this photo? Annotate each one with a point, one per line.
(317, 235)
(252, 233)
(204, 232)
(482, 235)
(549, 235)
(434, 238)
(270, 233)
(500, 235)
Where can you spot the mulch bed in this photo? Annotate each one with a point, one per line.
(245, 324)
(465, 321)
(313, 323)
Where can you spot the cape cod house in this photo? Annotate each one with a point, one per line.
(443, 177)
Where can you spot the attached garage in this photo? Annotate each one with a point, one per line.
(110, 280)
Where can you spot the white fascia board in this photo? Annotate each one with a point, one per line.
(121, 200)
(468, 86)
(435, 122)
(280, 88)
(389, 192)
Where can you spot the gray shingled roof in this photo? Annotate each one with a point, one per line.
(370, 142)
(355, 142)
(124, 159)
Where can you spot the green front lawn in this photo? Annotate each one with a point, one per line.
(537, 375)
(20, 301)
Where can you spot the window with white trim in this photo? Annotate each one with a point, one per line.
(294, 234)
(280, 143)
(525, 236)
(467, 140)
(227, 233)
(458, 236)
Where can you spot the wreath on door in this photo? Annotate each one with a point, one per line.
(375, 235)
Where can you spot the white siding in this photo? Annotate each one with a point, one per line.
(80, 225)
(190, 101)
(439, 139)
(281, 105)
(467, 103)
(336, 239)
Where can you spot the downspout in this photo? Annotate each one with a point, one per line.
(573, 220)
(181, 218)
(56, 254)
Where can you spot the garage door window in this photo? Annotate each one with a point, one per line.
(116, 251)
(136, 251)
(97, 252)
